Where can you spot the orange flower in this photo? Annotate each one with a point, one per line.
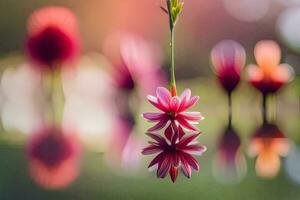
(269, 75)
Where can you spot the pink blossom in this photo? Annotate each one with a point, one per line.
(173, 109)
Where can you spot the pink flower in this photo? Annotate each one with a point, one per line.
(228, 58)
(174, 153)
(173, 109)
(52, 37)
(53, 158)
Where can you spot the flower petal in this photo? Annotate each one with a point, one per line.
(195, 149)
(191, 161)
(185, 124)
(169, 132)
(173, 173)
(163, 97)
(153, 100)
(185, 97)
(153, 117)
(164, 167)
(161, 141)
(186, 140)
(157, 159)
(192, 116)
(151, 150)
(185, 167)
(174, 104)
(191, 102)
(161, 124)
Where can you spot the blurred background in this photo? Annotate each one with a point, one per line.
(123, 57)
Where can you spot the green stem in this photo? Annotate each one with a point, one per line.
(172, 62)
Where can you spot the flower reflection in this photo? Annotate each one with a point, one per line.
(269, 76)
(53, 157)
(268, 144)
(52, 37)
(230, 163)
(228, 58)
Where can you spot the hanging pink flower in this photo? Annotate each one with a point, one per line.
(53, 158)
(228, 58)
(269, 75)
(53, 38)
(173, 109)
(176, 147)
(174, 152)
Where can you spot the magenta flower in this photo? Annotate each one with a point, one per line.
(173, 109)
(175, 152)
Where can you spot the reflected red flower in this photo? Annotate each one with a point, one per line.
(52, 37)
(269, 76)
(230, 163)
(268, 144)
(173, 109)
(174, 152)
(228, 58)
(53, 158)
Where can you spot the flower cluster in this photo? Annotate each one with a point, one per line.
(175, 148)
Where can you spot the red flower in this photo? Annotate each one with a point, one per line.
(175, 153)
(173, 109)
(228, 58)
(269, 76)
(53, 158)
(52, 37)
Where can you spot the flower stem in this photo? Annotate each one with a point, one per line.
(172, 62)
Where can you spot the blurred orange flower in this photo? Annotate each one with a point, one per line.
(269, 75)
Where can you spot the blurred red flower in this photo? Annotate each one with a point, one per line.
(53, 157)
(53, 38)
(228, 58)
(269, 76)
